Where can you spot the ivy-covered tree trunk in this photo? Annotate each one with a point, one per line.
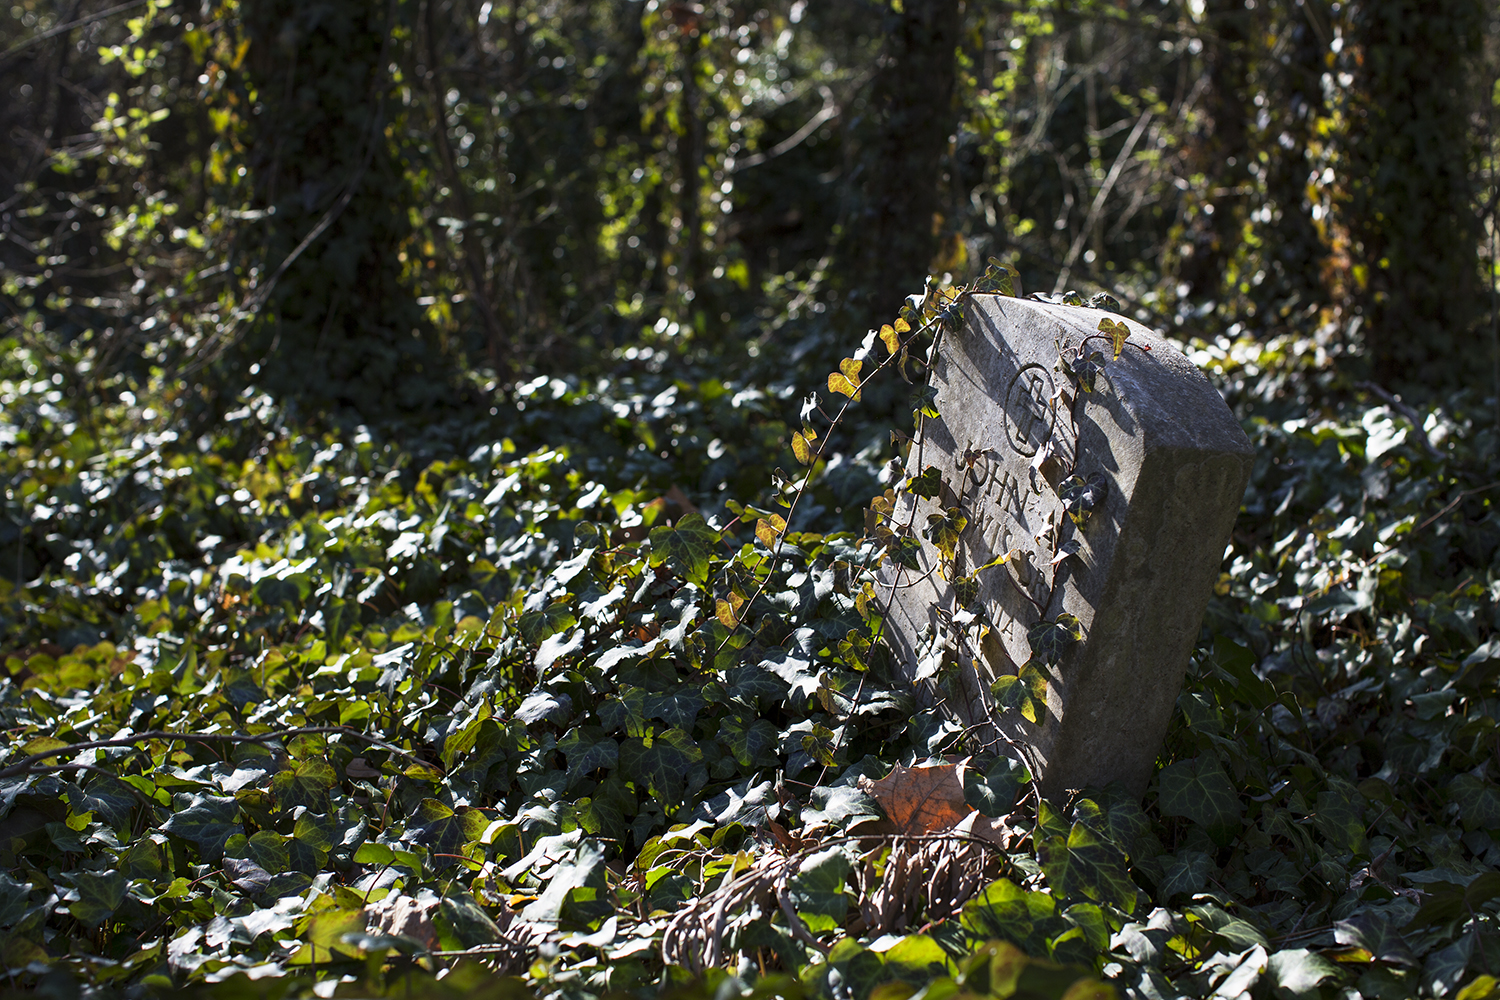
(342, 329)
(1293, 253)
(1407, 198)
(1220, 151)
(892, 237)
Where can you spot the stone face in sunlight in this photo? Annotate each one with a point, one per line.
(1067, 559)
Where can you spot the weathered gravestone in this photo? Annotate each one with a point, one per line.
(1153, 465)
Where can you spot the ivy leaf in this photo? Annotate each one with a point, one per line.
(1104, 300)
(471, 925)
(889, 339)
(1049, 640)
(1024, 692)
(769, 528)
(245, 875)
(306, 783)
(1117, 331)
(686, 546)
(1085, 864)
(1478, 801)
(538, 626)
(442, 830)
(924, 401)
(945, 530)
(206, 820)
(802, 446)
(966, 592)
(818, 745)
(324, 938)
(1200, 790)
(13, 899)
(994, 792)
(905, 550)
(1298, 971)
(660, 761)
(1187, 873)
(267, 848)
(1006, 911)
(817, 890)
(587, 749)
(1080, 496)
(841, 383)
(928, 484)
(750, 742)
(99, 895)
(310, 844)
(1372, 932)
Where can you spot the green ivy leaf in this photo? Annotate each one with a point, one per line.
(661, 762)
(1080, 496)
(207, 821)
(905, 550)
(13, 899)
(1006, 912)
(1049, 640)
(587, 749)
(928, 484)
(1478, 801)
(99, 895)
(1200, 790)
(817, 890)
(305, 783)
(1371, 931)
(751, 742)
(924, 402)
(686, 546)
(1025, 692)
(1298, 971)
(443, 830)
(538, 626)
(471, 925)
(324, 937)
(946, 529)
(994, 792)
(1085, 864)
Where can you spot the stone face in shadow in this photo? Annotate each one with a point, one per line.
(1175, 464)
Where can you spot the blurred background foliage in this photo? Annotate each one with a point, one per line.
(357, 207)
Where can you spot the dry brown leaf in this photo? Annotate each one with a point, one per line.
(404, 916)
(921, 799)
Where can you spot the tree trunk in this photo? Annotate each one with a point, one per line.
(892, 238)
(1407, 199)
(341, 330)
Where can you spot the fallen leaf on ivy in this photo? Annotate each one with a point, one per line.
(926, 799)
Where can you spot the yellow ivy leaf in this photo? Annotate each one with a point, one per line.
(768, 529)
(889, 339)
(802, 448)
(837, 382)
(850, 367)
(1118, 333)
(902, 326)
(724, 611)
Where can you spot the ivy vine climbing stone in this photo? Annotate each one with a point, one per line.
(1068, 509)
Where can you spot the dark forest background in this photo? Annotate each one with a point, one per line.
(351, 203)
